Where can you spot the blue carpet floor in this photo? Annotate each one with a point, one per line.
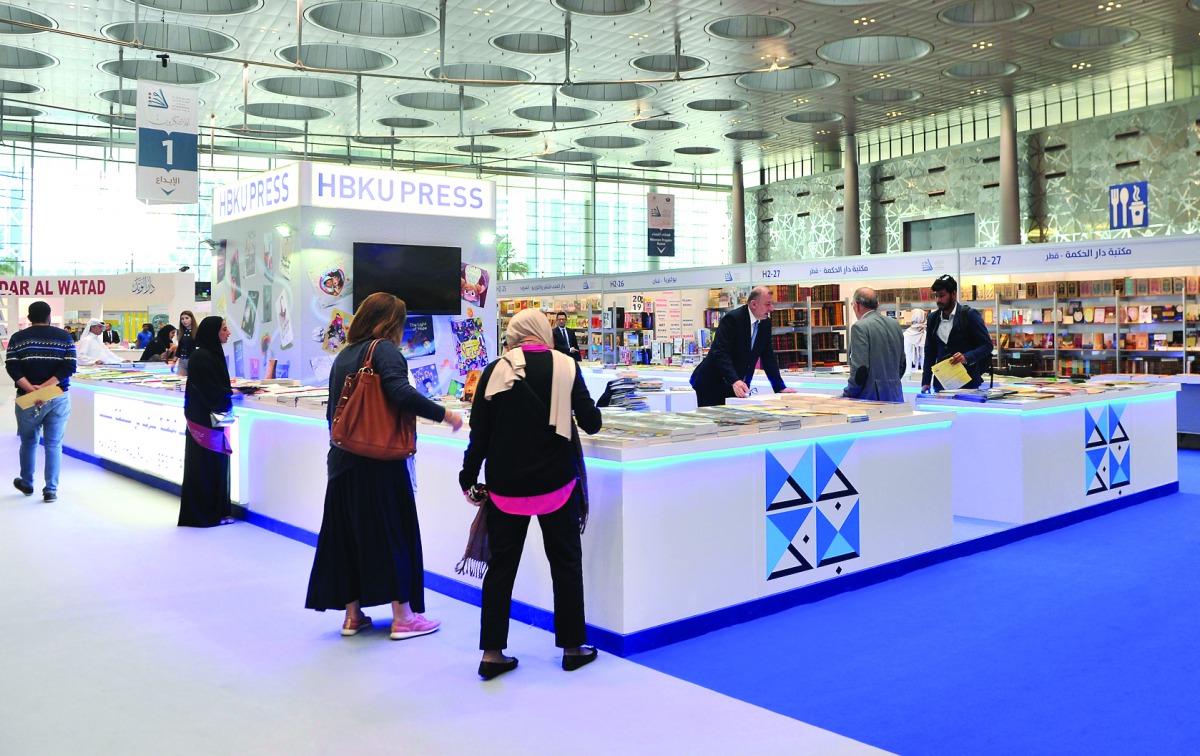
(1083, 640)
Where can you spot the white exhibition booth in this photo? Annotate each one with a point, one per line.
(284, 271)
(165, 294)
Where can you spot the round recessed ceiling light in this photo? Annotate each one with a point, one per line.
(18, 87)
(24, 59)
(750, 27)
(478, 149)
(986, 13)
(366, 18)
(874, 50)
(514, 133)
(887, 95)
(607, 92)
(285, 111)
(609, 142)
(377, 141)
(13, 111)
(602, 7)
(176, 37)
(658, 124)
(982, 69)
(1194, 5)
(531, 43)
(439, 101)
(117, 96)
(151, 70)
(750, 135)
(128, 121)
(697, 150)
(561, 114)
(1094, 38)
(651, 163)
(202, 7)
(813, 116)
(786, 80)
(274, 130)
(25, 16)
(337, 57)
(313, 87)
(480, 74)
(718, 106)
(571, 156)
(669, 63)
(404, 123)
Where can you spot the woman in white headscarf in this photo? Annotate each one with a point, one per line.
(521, 428)
(914, 340)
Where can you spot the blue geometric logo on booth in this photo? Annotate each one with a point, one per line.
(812, 508)
(1107, 449)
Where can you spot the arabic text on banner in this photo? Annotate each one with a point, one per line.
(660, 225)
(167, 143)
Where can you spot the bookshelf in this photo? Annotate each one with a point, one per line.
(808, 326)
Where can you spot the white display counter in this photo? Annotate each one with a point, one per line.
(677, 532)
(1025, 462)
(1188, 402)
(832, 384)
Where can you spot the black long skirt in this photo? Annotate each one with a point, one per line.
(204, 498)
(369, 548)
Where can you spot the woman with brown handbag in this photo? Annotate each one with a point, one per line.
(369, 548)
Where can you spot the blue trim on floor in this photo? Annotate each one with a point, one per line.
(691, 627)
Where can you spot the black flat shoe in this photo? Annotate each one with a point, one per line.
(572, 662)
(488, 670)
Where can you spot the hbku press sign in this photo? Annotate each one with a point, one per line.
(389, 191)
(261, 193)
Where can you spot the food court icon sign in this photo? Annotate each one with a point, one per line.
(1129, 205)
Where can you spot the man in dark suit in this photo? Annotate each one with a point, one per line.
(955, 331)
(111, 335)
(743, 339)
(564, 338)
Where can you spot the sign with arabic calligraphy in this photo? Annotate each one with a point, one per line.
(863, 268)
(660, 225)
(1129, 205)
(167, 144)
(1079, 257)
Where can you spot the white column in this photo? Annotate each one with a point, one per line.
(1010, 197)
(851, 235)
(737, 211)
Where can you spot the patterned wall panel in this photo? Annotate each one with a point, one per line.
(1064, 173)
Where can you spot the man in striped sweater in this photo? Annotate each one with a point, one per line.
(38, 357)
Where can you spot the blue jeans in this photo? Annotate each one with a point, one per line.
(49, 422)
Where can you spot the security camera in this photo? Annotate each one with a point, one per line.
(164, 58)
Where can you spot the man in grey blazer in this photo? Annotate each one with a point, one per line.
(877, 358)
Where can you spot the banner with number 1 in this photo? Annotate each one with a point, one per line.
(167, 144)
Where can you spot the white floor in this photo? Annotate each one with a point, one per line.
(121, 633)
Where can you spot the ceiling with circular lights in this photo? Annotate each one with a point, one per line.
(686, 85)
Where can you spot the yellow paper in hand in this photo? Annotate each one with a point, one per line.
(43, 394)
(951, 376)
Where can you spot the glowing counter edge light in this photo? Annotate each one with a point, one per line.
(945, 405)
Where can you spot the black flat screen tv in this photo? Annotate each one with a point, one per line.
(428, 279)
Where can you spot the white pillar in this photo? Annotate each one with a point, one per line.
(737, 211)
(1010, 197)
(851, 234)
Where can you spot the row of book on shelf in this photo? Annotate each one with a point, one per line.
(1128, 341)
(1078, 312)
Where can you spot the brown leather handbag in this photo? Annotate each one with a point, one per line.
(369, 424)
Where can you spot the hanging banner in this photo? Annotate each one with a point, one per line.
(167, 145)
(660, 225)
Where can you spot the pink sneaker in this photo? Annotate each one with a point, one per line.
(418, 625)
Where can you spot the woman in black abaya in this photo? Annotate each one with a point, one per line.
(204, 500)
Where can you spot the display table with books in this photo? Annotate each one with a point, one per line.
(1023, 453)
(1188, 402)
(691, 513)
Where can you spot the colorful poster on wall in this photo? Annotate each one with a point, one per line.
(250, 313)
(268, 254)
(266, 300)
(283, 309)
(418, 338)
(335, 333)
(249, 260)
(330, 282)
(425, 378)
(474, 284)
(239, 359)
(471, 350)
(235, 277)
(219, 261)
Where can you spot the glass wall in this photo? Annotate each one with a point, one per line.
(69, 208)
